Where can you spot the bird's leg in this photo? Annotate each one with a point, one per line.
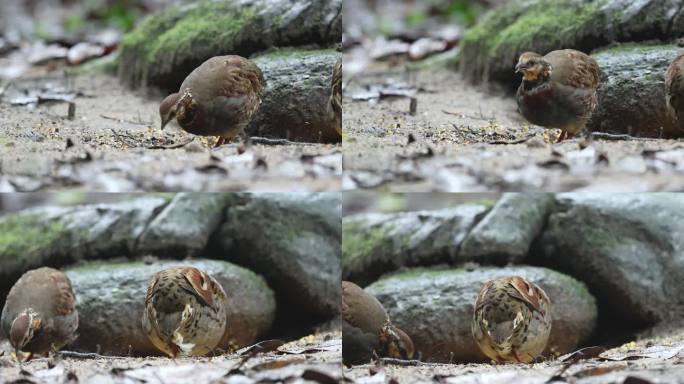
(219, 141)
(563, 136)
(515, 354)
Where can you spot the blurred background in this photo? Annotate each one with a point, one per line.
(406, 29)
(35, 32)
(13, 202)
(362, 202)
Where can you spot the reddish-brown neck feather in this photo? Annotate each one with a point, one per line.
(201, 283)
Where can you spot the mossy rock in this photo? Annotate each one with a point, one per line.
(167, 46)
(632, 91)
(58, 236)
(374, 244)
(296, 96)
(110, 300)
(491, 49)
(435, 308)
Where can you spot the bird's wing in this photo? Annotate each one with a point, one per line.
(573, 68)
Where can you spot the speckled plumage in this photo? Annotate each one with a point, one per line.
(218, 98)
(674, 89)
(43, 300)
(512, 319)
(558, 90)
(185, 312)
(335, 104)
(367, 329)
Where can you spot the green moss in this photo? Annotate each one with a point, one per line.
(358, 241)
(512, 29)
(164, 36)
(24, 237)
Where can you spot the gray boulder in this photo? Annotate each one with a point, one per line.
(293, 240)
(378, 243)
(296, 96)
(507, 232)
(632, 91)
(184, 226)
(435, 308)
(628, 248)
(110, 299)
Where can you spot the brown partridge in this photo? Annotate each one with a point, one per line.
(367, 329)
(512, 320)
(219, 98)
(674, 89)
(185, 312)
(335, 104)
(40, 312)
(558, 90)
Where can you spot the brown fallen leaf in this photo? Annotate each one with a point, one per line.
(319, 377)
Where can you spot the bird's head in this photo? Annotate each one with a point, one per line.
(396, 343)
(186, 109)
(533, 66)
(168, 108)
(24, 327)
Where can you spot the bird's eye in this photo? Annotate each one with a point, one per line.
(190, 115)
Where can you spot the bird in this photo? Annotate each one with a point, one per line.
(558, 90)
(512, 320)
(335, 104)
(185, 312)
(367, 329)
(40, 313)
(218, 98)
(674, 89)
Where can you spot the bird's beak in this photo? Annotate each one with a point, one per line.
(17, 354)
(163, 124)
(519, 67)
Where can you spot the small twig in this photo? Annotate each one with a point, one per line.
(611, 136)
(516, 141)
(82, 355)
(267, 141)
(171, 146)
(405, 363)
(125, 121)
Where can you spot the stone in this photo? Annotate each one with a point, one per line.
(506, 233)
(293, 240)
(628, 248)
(435, 308)
(296, 97)
(184, 226)
(377, 243)
(632, 91)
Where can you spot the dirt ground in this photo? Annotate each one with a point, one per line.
(460, 140)
(113, 143)
(314, 358)
(654, 359)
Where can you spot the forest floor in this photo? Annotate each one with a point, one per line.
(463, 138)
(113, 143)
(316, 358)
(658, 358)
